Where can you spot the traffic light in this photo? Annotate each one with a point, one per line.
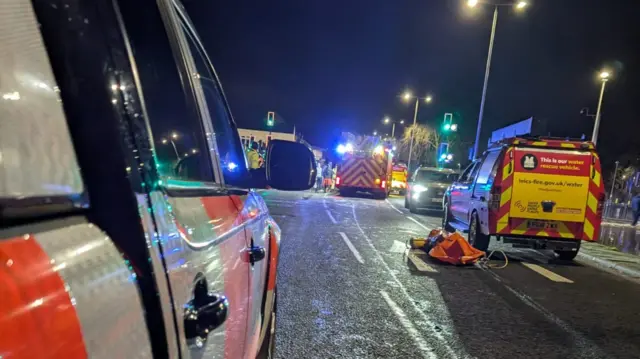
(448, 124)
(271, 120)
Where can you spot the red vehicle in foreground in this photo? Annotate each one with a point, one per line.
(115, 240)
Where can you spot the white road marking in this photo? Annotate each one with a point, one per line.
(420, 224)
(419, 263)
(430, 324)
(351, 247)
(584, 347)
(398, 247)
(547, 273)
(427, 352)
(331, 217)
(392, 206)
(324, 203)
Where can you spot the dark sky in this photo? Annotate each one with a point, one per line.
(328, 66)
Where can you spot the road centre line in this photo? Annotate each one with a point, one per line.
(331, 217)
(392, 206)
(420, 224)
(585, 347)
(351, 247)
(427, 352)
(547, 273)
(430, 324)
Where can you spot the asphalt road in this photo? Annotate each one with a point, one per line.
(346, 289)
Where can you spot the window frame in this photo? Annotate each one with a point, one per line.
(190, 34)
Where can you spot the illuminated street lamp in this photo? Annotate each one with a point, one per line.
(604, 77)
(387, 121)
(375, 133)
(174, 136)
(407, 96)
(519, 6)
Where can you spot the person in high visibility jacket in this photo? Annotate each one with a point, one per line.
(254, 158)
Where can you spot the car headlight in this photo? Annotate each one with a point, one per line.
(419, 188)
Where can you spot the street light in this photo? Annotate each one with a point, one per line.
(520, 6)
(604, 77)
(407, 97)
(174, 135)
(387, 121)
(375, 133)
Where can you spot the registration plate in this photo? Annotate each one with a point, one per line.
(436, 200)
(542, 225)
(440, 193)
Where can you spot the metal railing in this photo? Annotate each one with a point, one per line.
(617, 211)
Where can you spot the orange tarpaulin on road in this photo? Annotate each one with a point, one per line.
(452, 248)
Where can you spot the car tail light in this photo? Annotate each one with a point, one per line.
(337, 181)
(384, 184)
(494, 198)
(377, 180)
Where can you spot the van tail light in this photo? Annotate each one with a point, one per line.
(337, 181)
(494, 198)
(384, 184)
(600, 207)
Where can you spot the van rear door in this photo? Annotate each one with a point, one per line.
(550, 186)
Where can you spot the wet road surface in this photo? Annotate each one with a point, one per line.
(347, 289)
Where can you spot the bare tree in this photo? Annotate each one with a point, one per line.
(425, 143)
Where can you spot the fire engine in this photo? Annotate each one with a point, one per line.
(399, 178)
(365, 165)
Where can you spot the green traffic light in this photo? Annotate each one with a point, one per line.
(447, 127)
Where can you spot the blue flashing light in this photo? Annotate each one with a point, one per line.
(232, 166)
(341, 149)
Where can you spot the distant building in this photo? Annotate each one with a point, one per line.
(247, 136)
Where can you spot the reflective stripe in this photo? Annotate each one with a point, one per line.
(37, 317)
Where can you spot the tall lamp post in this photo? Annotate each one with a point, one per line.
(519, 6)
(387, 121)
(407, 96)
(604, 77)
(174, 136)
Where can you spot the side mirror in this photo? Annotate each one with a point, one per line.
(290, 166)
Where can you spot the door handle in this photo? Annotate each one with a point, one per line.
(204, 313)
(256, 254)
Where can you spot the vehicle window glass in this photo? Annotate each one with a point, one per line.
(435, 176)
(487, 167)
(180, 142)
(474, 172)
(465, 173)
(226, 135)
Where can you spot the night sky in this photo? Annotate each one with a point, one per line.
(329, 66)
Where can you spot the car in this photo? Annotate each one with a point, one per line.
(130, 224)
(535, 192)
(426, 188)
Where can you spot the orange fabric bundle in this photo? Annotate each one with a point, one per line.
(453, 248)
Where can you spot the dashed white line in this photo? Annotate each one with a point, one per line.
(430, 325)
(427, 352)
(331, 217)
(547, 273)
(420, 224)
(392, 206)
(351, 247)
(584, 347)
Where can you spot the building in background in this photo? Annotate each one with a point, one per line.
(247, 136)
